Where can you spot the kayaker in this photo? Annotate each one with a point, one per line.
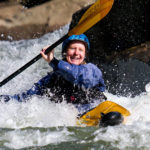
(72, 79)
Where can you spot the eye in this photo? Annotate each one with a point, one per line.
(81, 50)
(71, 48)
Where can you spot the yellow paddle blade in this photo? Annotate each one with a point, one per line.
(92, 117)
(94, 14)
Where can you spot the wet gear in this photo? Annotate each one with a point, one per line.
(111, 119)
(85, 75)
(73, 83)
(58, 89)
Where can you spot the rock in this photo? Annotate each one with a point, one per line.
(18, 22)
(32, 3)
(140, 52)
(126, 25)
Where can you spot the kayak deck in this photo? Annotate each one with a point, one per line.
(93, 116)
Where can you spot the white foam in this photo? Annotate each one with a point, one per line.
(40, 112)
(147, 88)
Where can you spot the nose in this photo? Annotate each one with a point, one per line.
(76, 51)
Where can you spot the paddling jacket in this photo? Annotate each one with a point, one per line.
(69, 82)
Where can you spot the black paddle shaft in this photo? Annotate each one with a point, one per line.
(49, 49)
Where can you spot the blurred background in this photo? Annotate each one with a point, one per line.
(26, 19)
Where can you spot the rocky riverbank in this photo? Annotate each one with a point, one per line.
(18, 22)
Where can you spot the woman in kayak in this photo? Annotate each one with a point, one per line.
(72, 80)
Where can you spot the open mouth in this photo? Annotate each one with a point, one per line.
(74, 58)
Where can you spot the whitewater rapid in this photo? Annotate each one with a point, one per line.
(40, 122)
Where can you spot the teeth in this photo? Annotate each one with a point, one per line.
(74, 58)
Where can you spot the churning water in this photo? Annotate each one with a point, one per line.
(41, 124)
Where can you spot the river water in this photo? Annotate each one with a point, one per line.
(41, 124)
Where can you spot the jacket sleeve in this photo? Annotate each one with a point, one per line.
(37, 89)
(86, 75)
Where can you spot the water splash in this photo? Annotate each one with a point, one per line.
(36, 122)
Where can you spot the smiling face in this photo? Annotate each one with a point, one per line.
(76, 52)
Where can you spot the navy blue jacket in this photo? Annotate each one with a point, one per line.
(84, 77)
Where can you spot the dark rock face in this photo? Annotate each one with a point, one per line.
(126, 72)
(126, 25)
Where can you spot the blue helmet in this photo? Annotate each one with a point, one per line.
(81, 37)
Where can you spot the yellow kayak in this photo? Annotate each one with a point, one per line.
(94, 116)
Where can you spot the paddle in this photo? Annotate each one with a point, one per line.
(93, 116)
(94, 14)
